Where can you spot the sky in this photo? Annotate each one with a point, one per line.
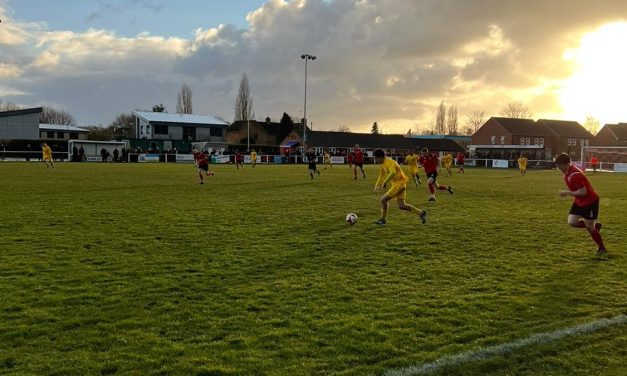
(386, 61)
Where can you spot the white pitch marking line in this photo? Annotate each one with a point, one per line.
(506, 348)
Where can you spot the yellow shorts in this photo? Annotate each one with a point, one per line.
(47, 158)
(414, 170)
(397, 190)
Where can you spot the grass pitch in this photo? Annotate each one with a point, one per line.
(138, 269)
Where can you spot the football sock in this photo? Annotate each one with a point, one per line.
(442, 188)
(384, 213)
(414, 209)
(596, 236)
(431, 189)
(581, 224)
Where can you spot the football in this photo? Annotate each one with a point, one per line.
(351, 218)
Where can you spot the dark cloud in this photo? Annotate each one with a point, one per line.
(377, 59)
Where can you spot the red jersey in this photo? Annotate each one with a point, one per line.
(461, 158)
(359, 156)
(575, 179)
(200, 158)
(350, 157)
(239, 157)
(429, 163)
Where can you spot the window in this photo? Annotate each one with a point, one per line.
(536, 141)
(60, 134)
(582, 142)
(215, 132)
(522, 140)
(541, 140)
(492, 138)
(161, 129)
(141, 129)
(50, 134)
(148, 129)
(502, 140)
(528, 140)
(73, 135)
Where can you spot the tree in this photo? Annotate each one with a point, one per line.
(451, 121)
(51, 115)
(286, 126)
(440, 119)
(592, 124)
(124, 125)
(158, 108)
(343, 128)
(474, 120)
(244, 102)
(375, 128)
(184, 100)
(101, 133)
(8, 106)
(516, 110)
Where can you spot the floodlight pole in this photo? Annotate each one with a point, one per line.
(305, 57)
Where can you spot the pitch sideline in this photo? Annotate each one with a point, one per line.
(506, 348)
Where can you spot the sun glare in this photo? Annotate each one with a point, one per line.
(597, 87)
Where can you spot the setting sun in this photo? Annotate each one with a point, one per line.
(597, 87)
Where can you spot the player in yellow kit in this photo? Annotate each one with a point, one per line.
(391, 172)
(327, 160)
(253, 158)
(411, 160)
(522, 164)
(46, 155)
(447, 162)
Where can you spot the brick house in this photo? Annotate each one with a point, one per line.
(569, 136)
(612, 135)
(261, 133)
(519, 134)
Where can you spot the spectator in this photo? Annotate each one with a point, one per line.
(103, 154)
(74, 154)
(116, 154)
(81, 154)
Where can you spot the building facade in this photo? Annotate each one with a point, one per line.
(20, 124)
(62, 132)
(191, 128)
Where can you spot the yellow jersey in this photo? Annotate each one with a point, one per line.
(327, 158)
(522, 162)
(447, 160)
(390, 167)
(47, 152)
(253, 156)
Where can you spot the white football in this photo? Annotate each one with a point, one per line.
(351, 218)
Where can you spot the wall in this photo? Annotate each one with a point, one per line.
(19, 127)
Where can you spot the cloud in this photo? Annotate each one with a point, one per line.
(390, 61)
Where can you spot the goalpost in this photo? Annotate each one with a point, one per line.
(611, 158)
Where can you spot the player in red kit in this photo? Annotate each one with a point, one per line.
(239, 160)
(585, 209)
(358, 161)
(429, 162)
(202, 163)
(461, 160)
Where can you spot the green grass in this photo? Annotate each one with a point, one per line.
(138, 269)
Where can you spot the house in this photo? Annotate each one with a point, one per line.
(612, 135)
(20, 124)
(568, 137)
(62, 132)
(166, 126)
(261, 133)
(506, 138)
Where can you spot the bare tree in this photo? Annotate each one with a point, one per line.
(343, 128)
(592, 124)
(9, 106)
(244, 102)
(101, 133)
(184, 100)
(440, 119)
(474, 120)
(451, 121)
(375, 128)
(516, 110)
(124, 125)
(51, 115)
